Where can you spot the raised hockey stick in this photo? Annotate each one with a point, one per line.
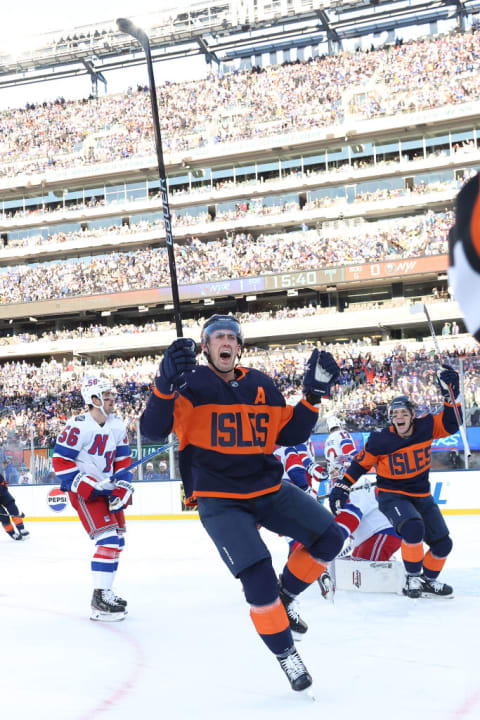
(422, 308)
(144, 459)
(126, 26)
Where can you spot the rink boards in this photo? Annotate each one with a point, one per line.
(456, 492)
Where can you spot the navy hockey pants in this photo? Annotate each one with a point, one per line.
(232, 523)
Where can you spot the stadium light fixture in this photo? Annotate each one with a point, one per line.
(250, 298)
(106, 313)
(208, 301)
(33, 319)
(292, 292)
(143, 308)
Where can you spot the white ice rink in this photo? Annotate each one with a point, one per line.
(188, 648)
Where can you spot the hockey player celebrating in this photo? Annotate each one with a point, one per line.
(401, 454)
(371, 535)
(10, 517)
(228, 419)
(93, 447)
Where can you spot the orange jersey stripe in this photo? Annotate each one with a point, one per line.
(244, 496)
(475, 225)
(157, 392)
(438, 429)
(403, 492)
(230, 429)
(269, 619)
(406, 462)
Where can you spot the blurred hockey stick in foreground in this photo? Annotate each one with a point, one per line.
(364, 486)
(422, 308)
(144, 459)
(126, 26)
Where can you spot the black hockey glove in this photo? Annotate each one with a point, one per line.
(445, 377)
(322, 371)
(339, 495)
(179, 357)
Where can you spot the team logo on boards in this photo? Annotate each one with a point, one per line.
(57, 500)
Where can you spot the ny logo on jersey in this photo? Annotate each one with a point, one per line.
(99, 445)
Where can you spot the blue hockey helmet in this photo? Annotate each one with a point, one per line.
(221, 322)
(401, 401)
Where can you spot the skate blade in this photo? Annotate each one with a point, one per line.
(107, 617)
(428, 596)
(308, 693)
(297, 636)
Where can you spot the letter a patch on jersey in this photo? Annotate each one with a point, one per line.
(260, 399)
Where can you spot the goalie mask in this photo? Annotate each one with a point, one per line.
(332, 422)
(95, 386)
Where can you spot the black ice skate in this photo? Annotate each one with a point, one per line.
(104, 607)
(413, 586)
(24, 533)
(296, 672)
(297, 625)
(118, 600)
(434, 588)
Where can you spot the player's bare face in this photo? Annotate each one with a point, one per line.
(108, 402)
(402, 422)
(223, 349)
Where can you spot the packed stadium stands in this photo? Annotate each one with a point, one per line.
(312, 198)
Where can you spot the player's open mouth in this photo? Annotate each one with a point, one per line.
(225, 354)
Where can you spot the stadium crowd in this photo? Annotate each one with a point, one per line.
(39, 398)
(244, 105)
(55, 211)
(412, 229)
(238, 255)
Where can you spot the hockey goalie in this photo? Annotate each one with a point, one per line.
(365, 563)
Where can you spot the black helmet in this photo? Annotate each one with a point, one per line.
(221, 322)
(401, 401)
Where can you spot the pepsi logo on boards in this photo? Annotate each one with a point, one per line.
(57, 500)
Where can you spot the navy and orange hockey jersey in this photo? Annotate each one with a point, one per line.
(228, 430)
(403, 464)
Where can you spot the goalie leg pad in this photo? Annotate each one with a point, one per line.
(364, 576)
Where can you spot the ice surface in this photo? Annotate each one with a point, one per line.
(188, 648)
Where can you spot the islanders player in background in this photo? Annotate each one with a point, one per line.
(228, 419)
(401, 454)
(10, 516)
(370, 534)
(92, 447)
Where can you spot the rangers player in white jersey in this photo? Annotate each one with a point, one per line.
(370, 533)
(92, 447)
